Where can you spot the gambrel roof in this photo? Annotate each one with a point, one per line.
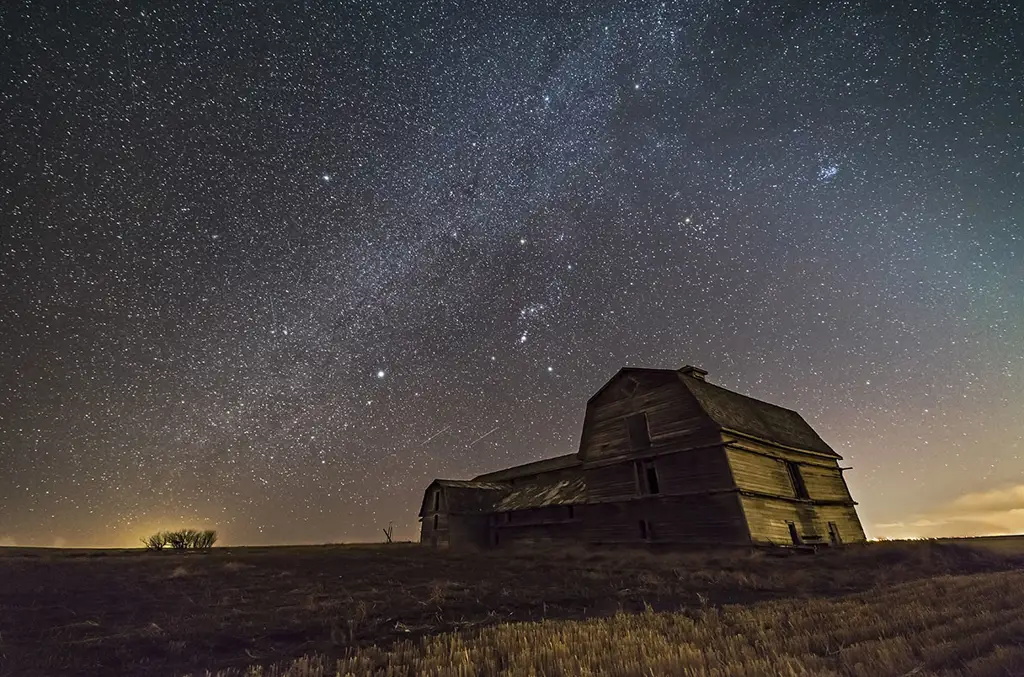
(743, 414)
(739, 413)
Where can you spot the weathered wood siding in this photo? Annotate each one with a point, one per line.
(548, 524)
(549, 477)
(785, 453)
(429, 535)
(768, 517)
(703, 519)
(674, 418)
(755, 471)
(682, 472)
(467, 531)
(825, 483)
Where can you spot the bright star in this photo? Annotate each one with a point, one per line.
(380, 373)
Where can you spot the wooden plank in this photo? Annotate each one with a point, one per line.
(672, 414)
(715, 518)
(768, 520)
(760, 473)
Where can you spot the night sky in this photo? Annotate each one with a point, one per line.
(272, 267)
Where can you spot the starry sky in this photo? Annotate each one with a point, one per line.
(271, 267)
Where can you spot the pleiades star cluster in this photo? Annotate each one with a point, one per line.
(270, 267)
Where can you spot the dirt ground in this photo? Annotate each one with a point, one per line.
(109, 612)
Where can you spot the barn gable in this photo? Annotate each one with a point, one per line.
(670, 412)
(462, 497)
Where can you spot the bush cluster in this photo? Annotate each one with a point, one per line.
(182, 539)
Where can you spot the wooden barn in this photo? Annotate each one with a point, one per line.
(664, 457)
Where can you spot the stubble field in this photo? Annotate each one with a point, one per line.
(918, 608)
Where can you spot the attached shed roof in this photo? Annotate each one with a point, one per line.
(534, 468)
(464, 497)
(754, 417)
(536, 495)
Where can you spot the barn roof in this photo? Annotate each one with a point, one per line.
(533, 468)
(754, 417)
(539, 494)
(740, 413)
(467, 496)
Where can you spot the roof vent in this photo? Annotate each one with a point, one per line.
(694, 372)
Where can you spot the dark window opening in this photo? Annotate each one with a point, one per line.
(833, 533)
(646, 477)
(799, 488)
(652, 479)
(437, 500)
(435, 521)
(494, 538)
(572, 512)
(508, 517)
(645, 530)
(794, 535)
(639, 433)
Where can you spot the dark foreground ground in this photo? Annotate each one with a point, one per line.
(108, 612)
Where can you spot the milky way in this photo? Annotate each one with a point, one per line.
(272, 267)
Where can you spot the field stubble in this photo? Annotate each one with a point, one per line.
(109, 613)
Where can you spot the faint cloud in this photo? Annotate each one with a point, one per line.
(995, 512)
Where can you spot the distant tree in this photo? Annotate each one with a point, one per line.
(182, 539)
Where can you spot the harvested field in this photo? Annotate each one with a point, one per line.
(949, 626)
(161, 613)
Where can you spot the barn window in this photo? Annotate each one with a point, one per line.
(437, 500)
(833, 533)
(794, 535)
(435, 521)
(639, 432)
(646, 530)
(651, 473)
(799, 488)
(572, 512)
(646, 477)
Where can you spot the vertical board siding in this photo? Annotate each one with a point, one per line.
(713, 518)
(672, 413)
(695, 470)
(768, 517)
(611, 481)
(683, 472)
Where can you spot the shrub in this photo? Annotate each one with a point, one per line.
(182, 539)
(155, 542)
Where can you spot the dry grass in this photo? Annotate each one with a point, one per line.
(948, 626)
(95, 613)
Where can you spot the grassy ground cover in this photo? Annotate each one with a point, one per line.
(952, 626)
(164, 613)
